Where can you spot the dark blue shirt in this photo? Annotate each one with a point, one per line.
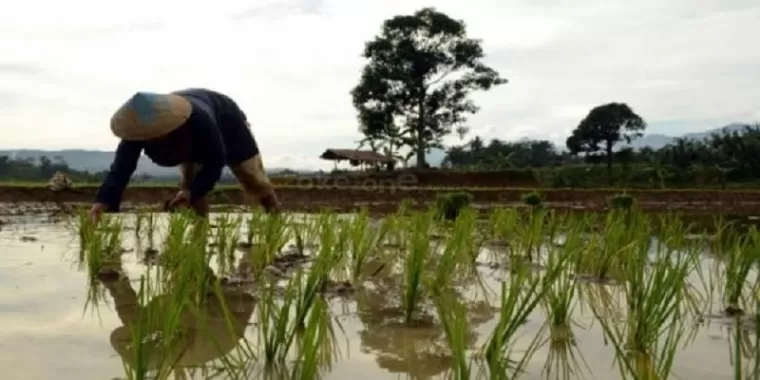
(219, 135)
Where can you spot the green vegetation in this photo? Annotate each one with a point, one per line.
(722, 160)
(645, 293)
(414, 89)
(451, 204)
(532, 199)
(260, 296)
(40, 171)
(602, 128)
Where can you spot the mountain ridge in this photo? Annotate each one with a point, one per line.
(100, 160)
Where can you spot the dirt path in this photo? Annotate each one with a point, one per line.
(383, 199)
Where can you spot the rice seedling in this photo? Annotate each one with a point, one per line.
(363, 241)
(316, 348)
(156, 336)
(739, 260)
(395, 238)
(741, 349)
(676, 236)
(225, 240)
(503, 224)
(520, 295)
(276, 332)
(646, 342)
(140, 217)
(102, 243)
(655, 263)
(271, 235)
(417, 256)
(560, 298)
(453, 318)
(405, 206)
(456, 263)
(251, 223)
(724, 236)
(147, 222)
(305, 234)
(98, 246)
(296, 320)
(756, 321)
(309, 291)
(340, 233)
(449, 205)
(85, 231)
(564, 359)
(603, 258)
(533, 235)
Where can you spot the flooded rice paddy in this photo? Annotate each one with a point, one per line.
(520, 295)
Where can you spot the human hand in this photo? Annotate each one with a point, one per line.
(182, 199)
(270, 203)
(96, 211)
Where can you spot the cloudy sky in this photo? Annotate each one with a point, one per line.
(65, 66)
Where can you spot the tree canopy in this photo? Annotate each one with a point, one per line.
(414, 89)
(603, 127)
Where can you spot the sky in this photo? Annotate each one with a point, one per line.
(684, 66)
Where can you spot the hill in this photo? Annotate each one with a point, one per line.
(97, 161)
(657, 141)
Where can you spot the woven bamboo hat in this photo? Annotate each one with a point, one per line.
(147, 116)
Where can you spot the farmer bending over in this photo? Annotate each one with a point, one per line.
(197, 129)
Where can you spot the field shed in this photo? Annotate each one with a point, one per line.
(357, 157)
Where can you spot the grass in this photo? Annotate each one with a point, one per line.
(643, 291)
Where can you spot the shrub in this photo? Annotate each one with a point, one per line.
(532, 199)
(621, 202)
(449, 205)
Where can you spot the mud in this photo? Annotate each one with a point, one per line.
(414, 178)
(383, 200)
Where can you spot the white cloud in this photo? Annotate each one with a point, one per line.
(291, 64)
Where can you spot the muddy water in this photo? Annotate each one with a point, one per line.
(46, 333)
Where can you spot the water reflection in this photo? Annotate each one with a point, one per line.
(204, 331)
(418, 350)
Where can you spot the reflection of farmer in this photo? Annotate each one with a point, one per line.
(202, 333)
(197, 129)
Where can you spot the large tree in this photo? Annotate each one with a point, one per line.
(602, 128)
(414, 89)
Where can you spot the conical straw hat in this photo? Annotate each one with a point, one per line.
(147, 116)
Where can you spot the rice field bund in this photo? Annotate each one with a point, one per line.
(432, 294)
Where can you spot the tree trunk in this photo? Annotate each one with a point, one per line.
(609, 163)
(421, 129)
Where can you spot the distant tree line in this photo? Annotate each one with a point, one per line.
(719, 159)
(41, 169)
